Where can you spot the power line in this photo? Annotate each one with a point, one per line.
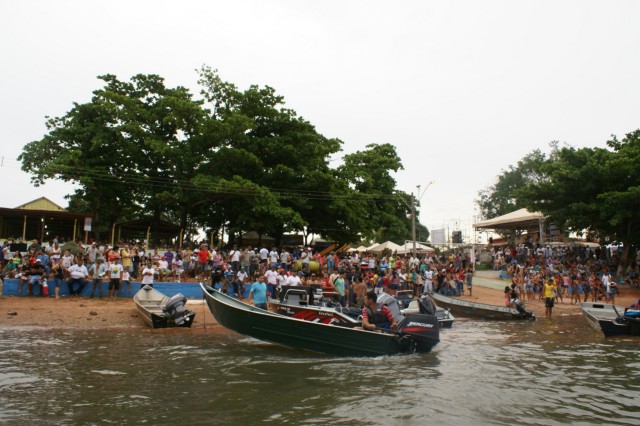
(72, 173)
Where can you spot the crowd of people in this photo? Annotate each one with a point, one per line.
(564, 274)
(349, 275)
(578, 273)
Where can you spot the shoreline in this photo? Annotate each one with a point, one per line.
(85, 313)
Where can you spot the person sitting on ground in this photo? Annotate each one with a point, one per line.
(374, 319)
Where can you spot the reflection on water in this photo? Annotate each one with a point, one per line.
(481, 373)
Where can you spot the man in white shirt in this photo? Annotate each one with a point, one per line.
(78, 273)
(234, 257)
(305, 256)
(285, 259)
(115, 275)
(147, 275)
(264, 253)
(274, 257)
(163, 268)
(293, 280)
(272, 280)
(428, 281)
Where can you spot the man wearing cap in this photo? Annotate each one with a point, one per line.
(78, 273)
(294, 279)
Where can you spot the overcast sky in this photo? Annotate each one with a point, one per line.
(463, 89)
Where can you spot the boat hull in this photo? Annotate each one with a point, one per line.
(477, 310)
(301, 334)
(606, 318)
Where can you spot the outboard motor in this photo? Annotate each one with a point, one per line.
(426, 306)
(632, 318)
(176, 308)
(519, 305)
(418, 332)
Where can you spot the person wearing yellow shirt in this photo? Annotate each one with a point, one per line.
(549, 291)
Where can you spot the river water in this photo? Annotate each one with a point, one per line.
(536, 373)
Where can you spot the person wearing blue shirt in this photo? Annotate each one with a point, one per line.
(258, 293)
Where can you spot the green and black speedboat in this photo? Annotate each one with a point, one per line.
(415, 333)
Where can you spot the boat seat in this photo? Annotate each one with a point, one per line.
(296, 297)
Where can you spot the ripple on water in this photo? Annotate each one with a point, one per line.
(480, 373)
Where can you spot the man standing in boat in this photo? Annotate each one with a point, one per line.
(374, 318)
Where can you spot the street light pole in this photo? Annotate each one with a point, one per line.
(413, 214)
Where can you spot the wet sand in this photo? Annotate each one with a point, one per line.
(100, 313)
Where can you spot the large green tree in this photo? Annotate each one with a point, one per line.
(500, 198)
(385, 213)
(592, 189)
(237, 159)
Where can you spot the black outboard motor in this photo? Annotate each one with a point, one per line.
(175, 308)
(426, 306)
(519, 305)
(418, 332)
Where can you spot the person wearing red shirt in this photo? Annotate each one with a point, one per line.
(374, 318)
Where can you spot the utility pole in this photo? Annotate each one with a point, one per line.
(413, 222)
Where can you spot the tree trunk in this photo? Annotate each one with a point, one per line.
(95, 212)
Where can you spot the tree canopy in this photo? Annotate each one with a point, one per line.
(234, 159)
(581, 190)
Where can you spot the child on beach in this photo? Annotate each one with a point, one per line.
(126, 284)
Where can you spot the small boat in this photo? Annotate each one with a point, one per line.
(416, 333)
(162, 311)
(466, 308)
(612, 320)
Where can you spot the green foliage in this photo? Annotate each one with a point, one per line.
(500, 198)
(235, 159)
(582, 190)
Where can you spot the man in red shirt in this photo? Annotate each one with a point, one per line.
(203, 261)
(374, 319)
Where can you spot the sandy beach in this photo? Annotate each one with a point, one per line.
(99, 313)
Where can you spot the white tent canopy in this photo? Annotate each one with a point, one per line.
(408, 248)
(519, 219)
(387, 245)
(358, 249)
